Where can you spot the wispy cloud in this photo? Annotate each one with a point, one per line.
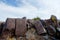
(29, 8)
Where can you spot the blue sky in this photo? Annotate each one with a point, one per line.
(29, 8)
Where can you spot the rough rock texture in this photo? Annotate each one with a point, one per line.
(29, 29)
(51, 30)
(21, 27)
(10, 23)
(39, 27)
(32, 35)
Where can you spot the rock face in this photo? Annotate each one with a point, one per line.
(32, 35)
(10, 23)
(1, 27)
(51, 30)
(29, 29)
(21, 27)
(39, 27)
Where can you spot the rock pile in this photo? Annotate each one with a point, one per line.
(29, 29)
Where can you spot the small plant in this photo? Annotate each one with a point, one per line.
(37, 18)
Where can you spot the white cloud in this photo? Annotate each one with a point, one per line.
(31, 8)
(9, 11)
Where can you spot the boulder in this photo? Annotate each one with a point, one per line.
(20, 28)
(30, 23)
(39, 27)
(51, 30)
(10, 23)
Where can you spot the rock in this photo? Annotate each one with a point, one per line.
(29, 29)
(43, 22)
(48, 22)
(21, 38)
(10, 23)
(21, 28)
(1, 28)
(30, 23)
(53, 18)
(51, 30)
(9, 38)
(24, 18)
(39, 27)
(54, 21)
(31, 34)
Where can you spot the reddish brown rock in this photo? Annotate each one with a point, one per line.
(10, 23)
(20, 27)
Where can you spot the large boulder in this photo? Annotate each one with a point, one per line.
(54, 21)
(43, 23)
(20, 28)
(39, 27)
(10, 23)
(53, 18)
(51, 30)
